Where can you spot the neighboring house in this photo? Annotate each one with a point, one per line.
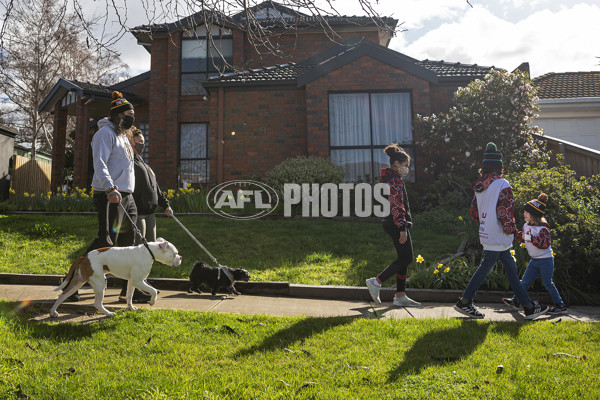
(24, 150)
(570, 107)
(7, 142)
(345, 101)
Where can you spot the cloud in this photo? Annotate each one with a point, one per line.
(551, 41)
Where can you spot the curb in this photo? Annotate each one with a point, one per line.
(285, 289)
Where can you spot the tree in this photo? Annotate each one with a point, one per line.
(500, 109)
(41, 42)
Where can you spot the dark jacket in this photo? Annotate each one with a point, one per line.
(399, 207)
(147, 194)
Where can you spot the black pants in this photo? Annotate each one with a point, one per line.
(404, 252)
(126, 234)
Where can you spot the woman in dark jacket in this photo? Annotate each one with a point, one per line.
(396, 225)
(147, 193)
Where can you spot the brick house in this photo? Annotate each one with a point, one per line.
(342, 100)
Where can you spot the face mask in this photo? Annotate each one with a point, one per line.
(128, 121)
(139, 147)
(403, 171)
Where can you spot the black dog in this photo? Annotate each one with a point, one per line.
(202, 274)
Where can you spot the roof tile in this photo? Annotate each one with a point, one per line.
(559, 85)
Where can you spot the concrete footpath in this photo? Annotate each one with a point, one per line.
(42, 297)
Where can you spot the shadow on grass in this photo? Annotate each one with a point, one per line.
(19, 320)
(439, 346)
(299, 331)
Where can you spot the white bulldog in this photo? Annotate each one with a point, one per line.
(132, 263)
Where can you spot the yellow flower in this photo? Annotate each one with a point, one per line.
(26, 194)
(420, 259)
(32, 194)
(49, 194)
(447, 269)
(189, 185)
(440, 265)
(523, 245)
(512, 252)
(11, 191)
(436, 271)
(552, 253)
(460, 217)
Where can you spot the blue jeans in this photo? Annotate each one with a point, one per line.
(510, 269)
(545, 268)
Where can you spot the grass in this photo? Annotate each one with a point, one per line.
(306, 251)
(192, 355)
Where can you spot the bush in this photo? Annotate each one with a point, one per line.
(304, 170)
(573, 213)
(498, 108)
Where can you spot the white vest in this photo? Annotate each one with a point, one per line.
(535, 252)
(491, 235)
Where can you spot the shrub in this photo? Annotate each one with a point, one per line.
(304, 170)
(573, 213)
(498, 108)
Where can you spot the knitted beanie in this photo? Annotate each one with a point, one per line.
(492, 157)
(119, 104)
(537, 207)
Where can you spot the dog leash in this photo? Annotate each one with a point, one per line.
(221, 267)
(139, 233)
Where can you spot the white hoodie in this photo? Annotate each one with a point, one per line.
(113, 159)
(491, 234)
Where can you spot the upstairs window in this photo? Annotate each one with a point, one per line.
(203, 55)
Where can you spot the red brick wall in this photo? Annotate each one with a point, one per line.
(297, 48)
(269, 126)
(364, 74)
(442, 97)
(163, 108)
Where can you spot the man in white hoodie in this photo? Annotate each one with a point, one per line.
(493, 209)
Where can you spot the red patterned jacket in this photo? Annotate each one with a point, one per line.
(505, 208)
(399, 207)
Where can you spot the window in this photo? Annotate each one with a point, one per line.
(361, 125)
(193, 154)
(201, 57)
(145, 130)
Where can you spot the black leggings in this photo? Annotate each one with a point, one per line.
(126, 232)
(405, 255)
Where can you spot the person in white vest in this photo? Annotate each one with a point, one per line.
(537, 239)
(493, 209)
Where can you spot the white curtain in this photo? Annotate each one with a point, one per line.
(391, 118)
(356, 163)
(349, 119)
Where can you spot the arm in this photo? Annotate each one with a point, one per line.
(543, 240)
(397, 207)
(474, 211)
(102, 145)
(505, 210)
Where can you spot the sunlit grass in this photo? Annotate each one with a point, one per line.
(189, 355)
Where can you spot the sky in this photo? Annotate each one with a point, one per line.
(552, 35)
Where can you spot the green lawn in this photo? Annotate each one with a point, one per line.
(192, 355)
(307, 251)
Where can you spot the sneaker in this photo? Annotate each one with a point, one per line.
(74, 297)
(468, 309)
(535, 311)
(405, 301)
(512, 303)
(557, 310)
(374, 289)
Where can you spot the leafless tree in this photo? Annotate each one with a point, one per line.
(41, 42)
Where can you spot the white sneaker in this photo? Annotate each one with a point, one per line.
(405, 301)
(374, 289)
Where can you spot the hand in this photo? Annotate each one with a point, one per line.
(168, 212)
(403, 237)
(114, 197)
